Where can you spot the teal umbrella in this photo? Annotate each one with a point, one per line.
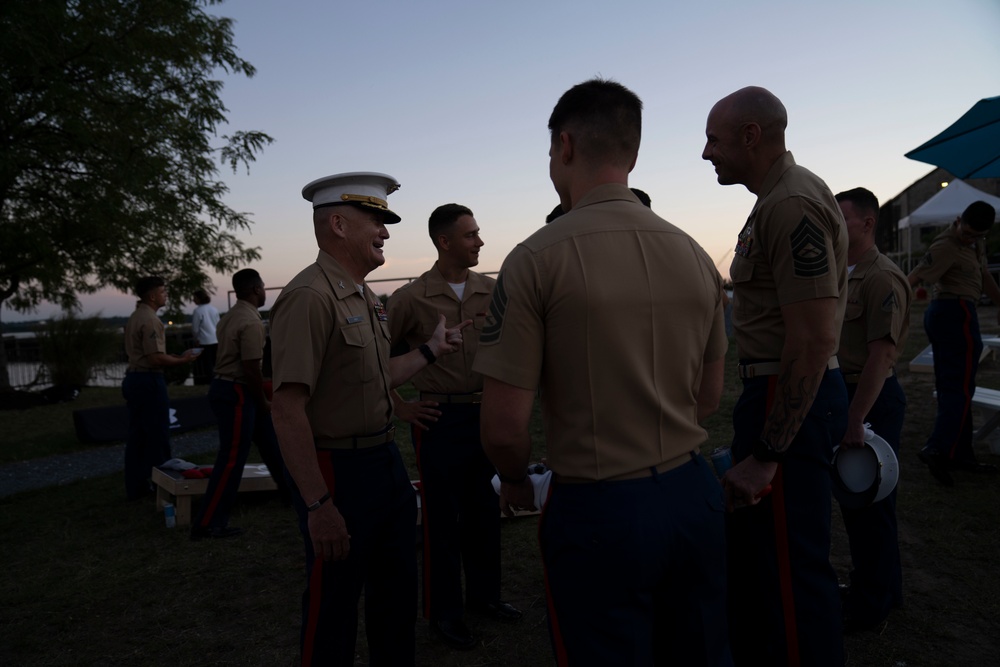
(970, 147)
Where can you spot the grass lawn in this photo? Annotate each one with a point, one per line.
(92, 580)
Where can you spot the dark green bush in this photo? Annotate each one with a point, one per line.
(71, 348)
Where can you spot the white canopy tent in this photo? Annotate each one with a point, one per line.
(942, 209)
(945, 206)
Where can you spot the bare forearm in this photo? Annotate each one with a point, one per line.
(504, 419)
(881, 356)
(710, 389)
(810, 341)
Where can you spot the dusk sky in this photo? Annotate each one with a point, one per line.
(452, 99)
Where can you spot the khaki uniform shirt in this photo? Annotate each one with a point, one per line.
(792, 248)
(878, 306)
(610, 310)
(954, 268)
(241, 338)
(327, 336)
(413, 316)
(144, 336)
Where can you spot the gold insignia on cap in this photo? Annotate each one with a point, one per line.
(365, 199)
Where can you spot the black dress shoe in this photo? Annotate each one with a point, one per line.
(499, 610)
(937, 464)
(454, 633)
(199, 532)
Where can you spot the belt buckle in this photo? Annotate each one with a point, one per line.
(747, 371)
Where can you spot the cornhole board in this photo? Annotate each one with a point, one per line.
(172, 487)
(988, 399)
(924, 362)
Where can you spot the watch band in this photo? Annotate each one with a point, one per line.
(319, 503)
(428, 355)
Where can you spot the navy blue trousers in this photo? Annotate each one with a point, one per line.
(952, 327)
(460, 514)
(877, 576)
(372, 491)
(148, 442)
(635, 570)
(784, 602)
(240, 423)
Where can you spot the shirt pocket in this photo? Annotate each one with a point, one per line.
(360, 361)
(853, 311)
(744, 305)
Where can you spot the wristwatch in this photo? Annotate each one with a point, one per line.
(765, 452)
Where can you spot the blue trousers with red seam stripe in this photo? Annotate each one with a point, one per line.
(240, 424)
(460, 510)
(148, 442)
(371, 489)
(877, 575)
(635, 570)
(784, 602)
(952, 326)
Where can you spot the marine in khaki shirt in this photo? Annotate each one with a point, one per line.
(331, 411)
(614, 318)
(874, 330)
(144, 339)
(241, 338)
(789, 277)
(461, 525)
(607, 333)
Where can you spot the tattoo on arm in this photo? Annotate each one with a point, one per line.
(793, 398)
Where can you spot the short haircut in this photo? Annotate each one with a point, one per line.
(861, 199)
(245, 280)
(443, 218)
(201, 297)
(604, 118)
(979, 215)
(146, 284)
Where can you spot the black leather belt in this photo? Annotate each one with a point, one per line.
(357, 441)
(475, 397)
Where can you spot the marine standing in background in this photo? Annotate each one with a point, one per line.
(333, 415)
(145, 388)
(789, 278)
(956, 266)
(460, 518)
(875, 326)
(241, 407)
(613, 316)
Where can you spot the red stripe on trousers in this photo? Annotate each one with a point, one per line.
(966, 376)
(234, 450)
(418, 440)
(316, 576)
(558, 645)
(781, 549)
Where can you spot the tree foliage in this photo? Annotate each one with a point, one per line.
(110, 147)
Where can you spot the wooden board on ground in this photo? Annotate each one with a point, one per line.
(172, 487)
